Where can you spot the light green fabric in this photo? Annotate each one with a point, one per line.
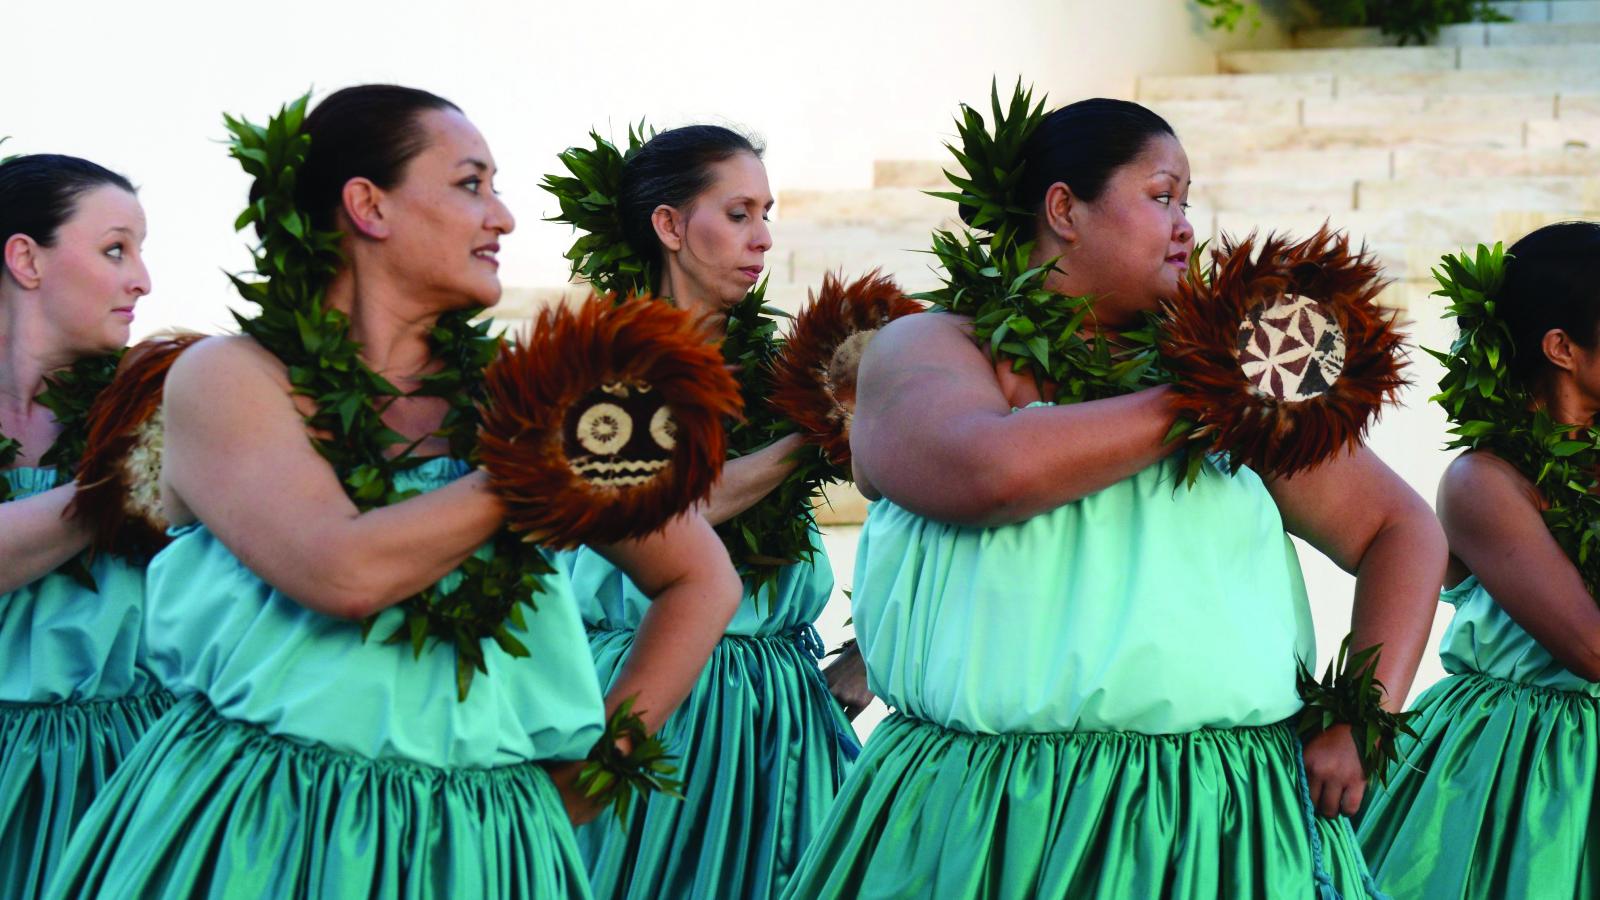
(930, 812)
(1148, 607)
(206, 807)
(76, 693)
(260, 657)
(1090, 704)
(304, 761)
(62, 642)
(762, 744)
(1497, 796)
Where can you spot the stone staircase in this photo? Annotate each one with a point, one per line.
(1417, 151)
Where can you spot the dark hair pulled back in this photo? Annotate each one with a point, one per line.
(1552, 280)
(39, 192)
(1082, 144)
(367, 131)
(671, 169)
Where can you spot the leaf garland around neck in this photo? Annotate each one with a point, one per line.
(68, 393)
(989, 275)
(589, 198)
(294, 263)
(1489, 409)
(776, 531)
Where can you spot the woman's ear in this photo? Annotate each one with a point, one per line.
(363, 206)
(669, 226)
(22, 261)
(1061, 212)
(1558, 348)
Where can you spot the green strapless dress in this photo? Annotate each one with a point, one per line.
(1497, 795)
(76, 693)
(303, 761)
(1087, 704)
(762, 744)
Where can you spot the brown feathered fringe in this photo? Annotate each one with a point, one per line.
(1200, 346)
(569, 353)
(119, 489)
(814, 380)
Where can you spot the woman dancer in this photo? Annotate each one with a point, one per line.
(76, 690)
(1092, 663)
(309, 757)
(1495, 795)
(763, 742)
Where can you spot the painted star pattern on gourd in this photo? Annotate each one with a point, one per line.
(1291, 350)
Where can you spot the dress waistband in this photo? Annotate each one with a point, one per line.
(804, 636)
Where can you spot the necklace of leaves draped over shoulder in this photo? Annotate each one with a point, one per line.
(776, 531)
(1490, 409)
(293, 264)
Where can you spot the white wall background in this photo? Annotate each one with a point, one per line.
(830, 85)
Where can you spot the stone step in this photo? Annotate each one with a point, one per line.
(1187, 116)
(1564, 132)
(879, 207)
(1190, 116)
(1530, 192)
(1215, 163)
(1534, 79)
(1355, 82)
(1418, 108)
(524, 303)
(1492, 133)
(1154, 88)
(1410, 241)
(840, 504)
(896, 209)
(1453, 162)
(1549, 10)
(1477, 34)
(1346, 59)
(1379, 60)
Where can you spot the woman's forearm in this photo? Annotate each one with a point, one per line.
(747, 479)
(672, 644)
(354, 567)
(1397, 587)
(36, 537)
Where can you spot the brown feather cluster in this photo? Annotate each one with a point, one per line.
(119, 477)
(569, 356)
(1208, 330)
(814, 380)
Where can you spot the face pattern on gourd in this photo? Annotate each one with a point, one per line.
(619, 435)
(1291, 349)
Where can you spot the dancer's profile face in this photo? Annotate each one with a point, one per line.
(1134, 240)
(443, 221)
(93, 274)
(716, 247)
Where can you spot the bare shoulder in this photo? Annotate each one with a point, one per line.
(919, 331)
(231, 361)
(1480, 479)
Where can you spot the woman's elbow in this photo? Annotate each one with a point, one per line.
(351, 588)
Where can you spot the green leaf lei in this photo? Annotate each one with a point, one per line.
(294, 262)
(988, 275)
(1351, 693)
(776, 531)
(1490, 409)
(68, 394)
(613, 777)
